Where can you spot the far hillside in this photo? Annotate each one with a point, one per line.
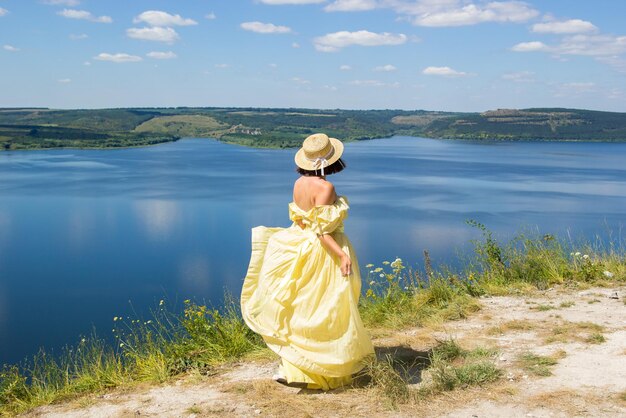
(37, 128)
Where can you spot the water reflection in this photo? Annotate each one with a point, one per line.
(158, 217)
(194, 275)
(5, 230)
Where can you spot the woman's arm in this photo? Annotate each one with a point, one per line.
(327, 196)
(331, 245)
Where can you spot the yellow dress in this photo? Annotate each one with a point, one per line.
(296, 298)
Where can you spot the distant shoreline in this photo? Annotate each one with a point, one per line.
(34, 128)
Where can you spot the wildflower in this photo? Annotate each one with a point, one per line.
(406, 287)
(378, 270)
(149, 321)
(369, 266)
(187, 301)
(585, 257)
(381, 275)
(161, 302)
(371, 271)
(122, 344)
(82, 340)
(386, 262)
(397, 263)
(372, 283)
(577, 254)
(608, 274)
(115, 318)
(571, 254)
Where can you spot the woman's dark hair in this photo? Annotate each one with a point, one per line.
(335, 167)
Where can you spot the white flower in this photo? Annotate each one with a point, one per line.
(608, 274)
(577, 254)
(585, 257)
(121, 344)
(381, 275)
(371, 271)
(372, 283)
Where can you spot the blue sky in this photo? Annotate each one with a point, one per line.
(454, 55)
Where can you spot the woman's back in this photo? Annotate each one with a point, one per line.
(309, 192)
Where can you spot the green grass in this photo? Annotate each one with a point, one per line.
(449, 367)
(543, 308)
(387, 380)
(197, 126)
(146, 351)
(595, 338)
(198, 338)
(536, 364)
(452, 367)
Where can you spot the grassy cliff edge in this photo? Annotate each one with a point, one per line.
(200, 340)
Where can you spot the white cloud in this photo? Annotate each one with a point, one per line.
(222, 66)
(161, 55)
(10, 48)
(84, 15)
(453, 14)
(586, 45)
(118, 58)
(333, 42)
(78, 37)
(160, 18)
(69, 3)
(64, 80)
(385, 68)
(591, 45)
(351, 5)
(3, 11)
(345, 67)
(443, 71)
(157, 34)
(295, 45)
(565, 27)
(300, 80)
(281, 2)
(373, 83)
(530, 47)
(520, 77)
(86, 63)
(264, 28)
(210, 16)
(618, 63)
(574, 89)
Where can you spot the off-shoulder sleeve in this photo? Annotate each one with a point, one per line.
(326, 219)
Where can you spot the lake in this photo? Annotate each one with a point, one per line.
(86, 235)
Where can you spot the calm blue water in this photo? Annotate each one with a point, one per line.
(85, 233)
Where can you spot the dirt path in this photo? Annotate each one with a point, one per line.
(583, 331)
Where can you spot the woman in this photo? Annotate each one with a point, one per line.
(303, 284)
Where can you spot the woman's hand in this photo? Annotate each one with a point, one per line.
(346, 265)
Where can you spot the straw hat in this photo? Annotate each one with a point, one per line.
(318, 151)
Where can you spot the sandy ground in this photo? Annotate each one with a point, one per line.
(589, 379)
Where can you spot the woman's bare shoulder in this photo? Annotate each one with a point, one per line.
(325, 193)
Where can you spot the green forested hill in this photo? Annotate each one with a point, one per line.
(277, 128)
